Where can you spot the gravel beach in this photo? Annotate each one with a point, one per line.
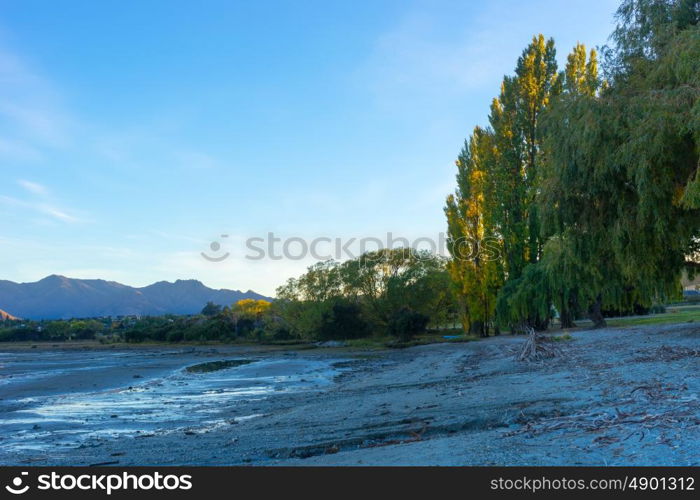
(627, 396)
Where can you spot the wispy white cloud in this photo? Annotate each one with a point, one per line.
(40, 202)
(33, 187)
(32, 115)
(9, 201)
(35, 122)
(57, 213)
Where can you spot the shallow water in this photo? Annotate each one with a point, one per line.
(59, 399)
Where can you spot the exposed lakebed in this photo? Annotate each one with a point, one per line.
(616, 396)
(60, 399)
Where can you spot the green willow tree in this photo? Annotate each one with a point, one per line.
(621, 187)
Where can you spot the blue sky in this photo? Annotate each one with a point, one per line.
(133, 134)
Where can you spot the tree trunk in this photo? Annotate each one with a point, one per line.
(596, 313)
(566, 319)
(538, 324)
(479, 328)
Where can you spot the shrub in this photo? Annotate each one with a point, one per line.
(175, 336)
(280, 332)
(657, 309)
(343, 321)
(407, 323)
(211, 309)
(244, 327)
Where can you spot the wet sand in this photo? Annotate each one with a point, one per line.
(54, 401)
(616, 397)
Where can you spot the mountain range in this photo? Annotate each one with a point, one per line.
(58, 297)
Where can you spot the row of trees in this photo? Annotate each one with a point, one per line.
(60, 330)
(243, 320)
(588, 187)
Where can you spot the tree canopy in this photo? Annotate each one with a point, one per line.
(376, 292)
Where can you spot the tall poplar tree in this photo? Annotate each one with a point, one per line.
(516, 121)
(497, 185)
(572, 277)
(475, 267)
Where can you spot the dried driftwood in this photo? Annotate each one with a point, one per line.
(537, 347)
(674, 418)
(664, 408)
(668, 353)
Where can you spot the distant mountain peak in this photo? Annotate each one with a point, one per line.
(58, 296)
(189, 282)
(53, 277)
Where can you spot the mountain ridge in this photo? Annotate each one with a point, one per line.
(60, 297)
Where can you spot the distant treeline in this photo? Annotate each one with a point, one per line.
(214, 323)
(390, 293)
